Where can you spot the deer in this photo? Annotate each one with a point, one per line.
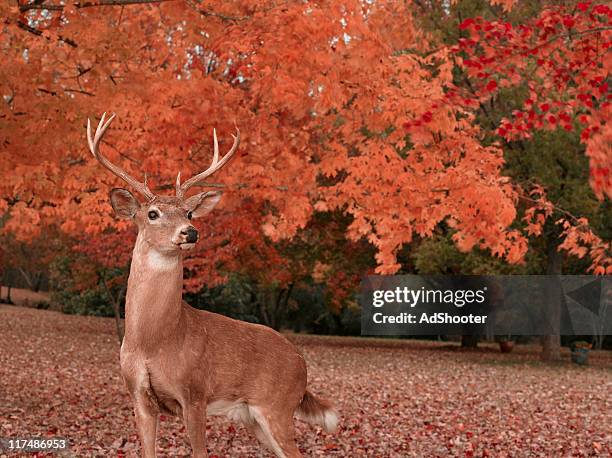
(182, 361)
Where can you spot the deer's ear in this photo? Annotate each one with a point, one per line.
(124, 203)
(203, 203)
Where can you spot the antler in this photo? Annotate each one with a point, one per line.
(94, 144)
(214, 166)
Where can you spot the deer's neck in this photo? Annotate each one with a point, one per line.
(154, 296)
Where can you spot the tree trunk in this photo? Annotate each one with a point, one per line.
(117, 313)
(38, 282)
(116, 304)
(469, 341)
(551, 348)
(551, 344)
(272, 306)
(263, 307)
(27, 277)
(282, 304)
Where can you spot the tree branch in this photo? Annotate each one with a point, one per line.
(570, 35)
(209, 13)
(46, 91)
(32, 30)
(91, 4)
(45, 6)
(165, 187)
(223, 17)
(80, 91)
(554, 207)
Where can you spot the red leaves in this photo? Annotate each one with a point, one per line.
(603, 10)
(583, 6)
(491, 85)
(568, 22)
(466, 24)
(567, 79)
(460, 403)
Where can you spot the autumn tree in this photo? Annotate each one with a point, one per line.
(107, 258)
(558, 59)
(536, 74)
(326, 135)
(344, 107)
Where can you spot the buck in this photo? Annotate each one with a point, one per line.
(192, 363)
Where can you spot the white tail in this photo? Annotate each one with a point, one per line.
(192, 363)
(318, 411)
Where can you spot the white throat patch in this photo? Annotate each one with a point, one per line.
(159, 261)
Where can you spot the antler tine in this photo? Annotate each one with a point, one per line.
(216, 147)
(94, 147)
(178, 184)
(214, 166)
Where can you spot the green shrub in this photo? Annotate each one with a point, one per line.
(87, 302)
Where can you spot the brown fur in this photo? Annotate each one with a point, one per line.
(316, 410)
(189, 362)
(179, 360)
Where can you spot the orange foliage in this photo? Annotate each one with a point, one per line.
(338, 107)
(580, 240)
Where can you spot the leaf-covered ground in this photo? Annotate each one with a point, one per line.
(59, 376)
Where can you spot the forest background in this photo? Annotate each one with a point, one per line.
(452, 137)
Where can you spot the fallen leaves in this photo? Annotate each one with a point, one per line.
(59, 376)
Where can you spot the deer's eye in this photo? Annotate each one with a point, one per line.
(189, 215)
(153, 215)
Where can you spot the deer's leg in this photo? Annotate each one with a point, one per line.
(277, 431)
(146, 410)
(146, 423)
(261, 435)
(194, 417)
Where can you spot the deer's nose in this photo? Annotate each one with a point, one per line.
(191, 234)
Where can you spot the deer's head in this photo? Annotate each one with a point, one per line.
(164, 222)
